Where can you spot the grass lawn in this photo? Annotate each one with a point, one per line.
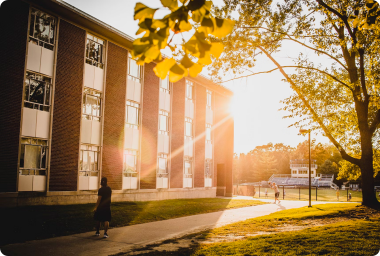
(38, 222)
(343, 229)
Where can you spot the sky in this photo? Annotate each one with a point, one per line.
(256, 102)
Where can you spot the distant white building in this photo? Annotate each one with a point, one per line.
(300, 168)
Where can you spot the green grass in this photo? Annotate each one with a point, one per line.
(303, 194)
(356, 236)
(38, 222)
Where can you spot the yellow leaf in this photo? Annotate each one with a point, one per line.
(143, 12)
(161, 69)
(171, 4)
(216, 49)
(222, 27)
(177, 71)
(195, 69)
(185, 26)
(205, 60)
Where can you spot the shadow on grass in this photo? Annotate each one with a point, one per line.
(39, 222)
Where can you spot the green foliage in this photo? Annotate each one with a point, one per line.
(191, 15)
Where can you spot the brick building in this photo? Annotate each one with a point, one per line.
(77, 107)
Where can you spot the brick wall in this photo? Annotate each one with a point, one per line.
(114, 115)
(200, 128)
(178, 134)
(149, 128)
(67, 108)
(14, 30)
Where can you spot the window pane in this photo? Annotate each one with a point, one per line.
(32, 156)
(187, 167)
(36, 91)
(133, 68)
(165, 83)
(208, 133)
(188, 129)
(132, 115)
(163, 123)
(85, 161)
(43, 162)
(91, 160)
(22, 155)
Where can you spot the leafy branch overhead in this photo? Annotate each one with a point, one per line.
(192, 15)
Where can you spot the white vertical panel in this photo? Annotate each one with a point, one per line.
(209, 114)
(83, 182)
(86, 131)
(128, 137)
(98, 78)
(126, 182)
(89, 75)
(47, 62)
(34, 57)
(39, 183)
(159, 182)
(161, 143)
(130, 89)
(208, 154)
(191, 110)
(96, 130)
(187, 108)
(165, 182)
(43, 124)
(186, 147)
(136, 135)
(137, 92)
(161, 103)
(133, 182)
(167, 102)
(25, 183)
(191, 147)
(29, 120)
(208, 182)
(93, 182)
(166, 144)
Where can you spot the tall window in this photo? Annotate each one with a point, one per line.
(42, 29)
(33, 156)
(37, 91)
(165, 85)
(91, 104)
(209, 97)
(188, 127)
(94, 51)
(162, 164)
(189, 90)
(188, 167)
(89, 155)
(208, 133)
(132, 114)
(163, 122)
(134, 70)
(130, 162)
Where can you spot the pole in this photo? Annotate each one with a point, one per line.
(309, 171)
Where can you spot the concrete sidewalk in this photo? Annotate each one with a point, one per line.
(124, 239)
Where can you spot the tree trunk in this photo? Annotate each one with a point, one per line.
(366, 168)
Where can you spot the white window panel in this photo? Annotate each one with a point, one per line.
(186, 148)
(187, 182)
(137, 92)
(208, 151)
(98, 79)
(165, 182)
(29, 122)
(128, 137)
(34, 57)
(133, 182)
(96, 130)
(89, 75)
(209, 116)
(83, 182)
(43, 124)
(93, 182)
(25, 183)
(127, 182)
(166, 144)
(39, 183)
(167, 102)
(208, 182)
(191, 147)
(136, 136)
(159, 182)
(47, 62)
(86, 131)
(189, 109)
(130, 89)
(160, 143)
(162, 100)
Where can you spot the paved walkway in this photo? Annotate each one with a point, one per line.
(124, 239)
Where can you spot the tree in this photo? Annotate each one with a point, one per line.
(341, 98)
(190, 16)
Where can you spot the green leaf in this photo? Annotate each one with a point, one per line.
(171, 4)
(143, 12)
(162, 69)
(223, 27)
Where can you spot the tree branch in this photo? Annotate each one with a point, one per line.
(314, 114)
(269, 71)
